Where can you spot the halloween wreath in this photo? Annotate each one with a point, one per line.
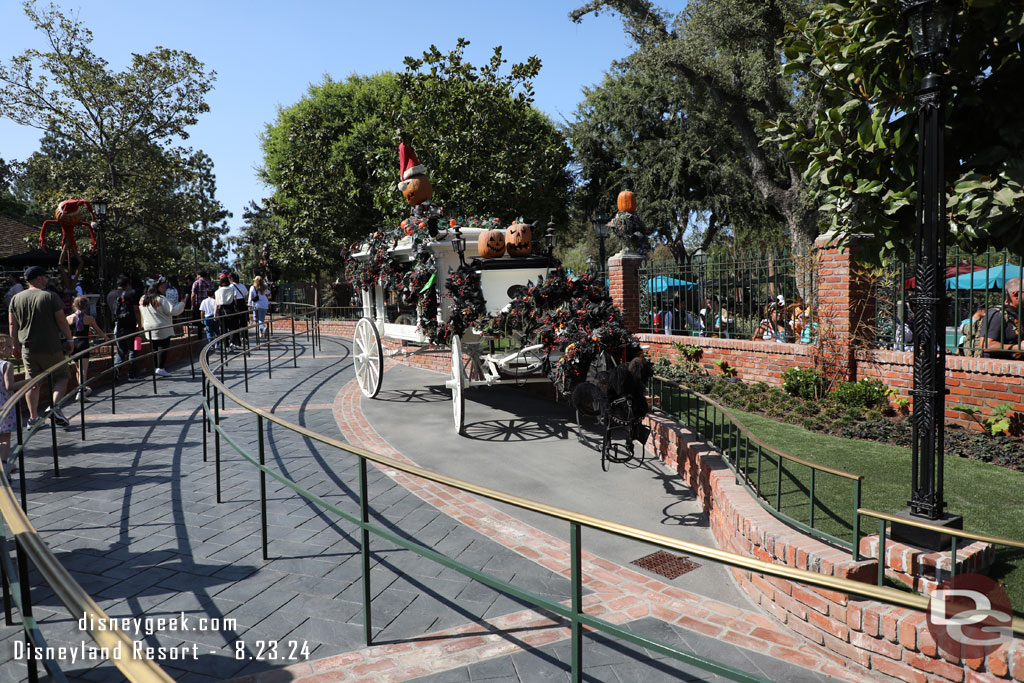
(632, 230)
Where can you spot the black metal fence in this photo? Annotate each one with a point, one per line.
(975, 286)
(755, 295)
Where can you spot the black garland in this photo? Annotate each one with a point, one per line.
(571, 315)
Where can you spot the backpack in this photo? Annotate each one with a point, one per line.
(124, 316)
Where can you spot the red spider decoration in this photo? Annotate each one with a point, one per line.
(70, 214)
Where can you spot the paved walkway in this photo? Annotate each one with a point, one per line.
(134, 517)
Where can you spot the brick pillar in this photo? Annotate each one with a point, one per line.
(845, 305)
(624, 286)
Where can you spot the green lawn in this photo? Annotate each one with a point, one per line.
(990, 498)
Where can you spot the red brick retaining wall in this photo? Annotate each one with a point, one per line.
(894, 641)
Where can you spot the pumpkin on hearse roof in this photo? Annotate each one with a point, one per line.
(519, 239)
(414, 184)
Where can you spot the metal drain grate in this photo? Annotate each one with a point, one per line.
(666, 564)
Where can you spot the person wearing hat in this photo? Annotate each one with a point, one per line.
(36, 324)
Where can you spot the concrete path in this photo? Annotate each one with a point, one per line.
(135, 518)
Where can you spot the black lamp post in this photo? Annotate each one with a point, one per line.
(601, 231)
(929, 22)
(99, 209)
(549, 236)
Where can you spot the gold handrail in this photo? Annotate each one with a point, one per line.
(849, 586)
(758, 442)
(959, 533)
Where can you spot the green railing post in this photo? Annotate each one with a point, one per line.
(26, 606)
(364, 551)
(811, 515)
(577, 601)
(952, 557)
(269, 374)
(21, 458)
(206, 416)
(53, 426)
(881, 552)
(245, 362)
(223, 362)
(216, 438)
(113, 378)
(760, 455)
(856, 520)
(778, 482)
(191, 356)
(263, 486)
(295, 352)
(81, 395)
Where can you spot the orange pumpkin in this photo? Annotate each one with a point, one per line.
(491, 244)
(519, 239)
(408, 227)
(417, 190)
(627, 202)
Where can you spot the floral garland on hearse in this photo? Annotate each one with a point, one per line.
(571, 315)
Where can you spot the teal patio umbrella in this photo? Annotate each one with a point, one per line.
(662, 283)
(992, 278)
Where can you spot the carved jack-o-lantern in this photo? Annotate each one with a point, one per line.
(417, 190)
(519, 239)
(627, 202)
(491, 244)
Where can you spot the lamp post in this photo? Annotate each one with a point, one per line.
(929, 22)
(459, 244)
(99, 209)
(601, 231)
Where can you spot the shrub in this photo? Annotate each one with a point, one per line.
(865, 393)
(804, 383)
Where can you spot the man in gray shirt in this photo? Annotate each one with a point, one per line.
(37, 322)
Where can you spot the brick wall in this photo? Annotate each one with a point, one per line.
(846, 312)
(893, 641)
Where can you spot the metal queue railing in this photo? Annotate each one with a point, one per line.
(720, 428)
(885, 521)
(29, 545)
(749, 458)
(216, 391)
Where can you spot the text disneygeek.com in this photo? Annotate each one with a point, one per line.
(270, 650)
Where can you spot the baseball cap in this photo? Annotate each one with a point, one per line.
(32, 272)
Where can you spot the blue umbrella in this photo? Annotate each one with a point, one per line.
(662, 283)
(993, 278)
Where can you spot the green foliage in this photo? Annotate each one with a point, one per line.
(864, 393)
(997, 423)
(719, 60)
(113, 133)
(332, 157)
(690, 352)
(858, 154)
(724, 367)
(804, 382)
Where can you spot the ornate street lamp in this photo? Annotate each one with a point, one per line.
(601, 231)
(591, 264)
(459, 244)
(549, 236)
(99, 210)
(929, 22)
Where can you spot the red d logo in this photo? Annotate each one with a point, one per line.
(969, 615)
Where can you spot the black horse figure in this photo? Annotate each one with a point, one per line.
(618, 399)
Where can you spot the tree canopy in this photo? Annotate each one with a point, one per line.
(722, 57)
(651, 134)
(115, 134)
(332, 158)
(859, 157)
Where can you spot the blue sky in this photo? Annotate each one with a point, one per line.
(266, 53)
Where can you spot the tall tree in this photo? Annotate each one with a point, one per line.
(651, 134)
(114, 133)
(859, 157)
(725, 50)
(332, 158)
